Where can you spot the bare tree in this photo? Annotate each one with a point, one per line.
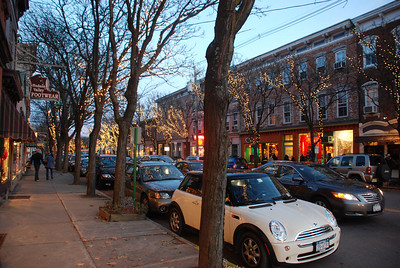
(155, 28)
(230, 18)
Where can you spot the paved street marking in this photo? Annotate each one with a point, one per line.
(392, 210)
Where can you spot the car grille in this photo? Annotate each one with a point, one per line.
(314, 232)
(372, 197)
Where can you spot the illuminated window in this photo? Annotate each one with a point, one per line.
(271, 114)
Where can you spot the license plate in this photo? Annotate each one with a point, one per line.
(376, 208)
(322, 245)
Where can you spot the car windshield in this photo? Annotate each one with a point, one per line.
(165, 158)
(159, 173)
(196, 166)
(319, 173)
(107, 161)
(257, 190)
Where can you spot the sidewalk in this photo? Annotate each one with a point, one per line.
(54, 224)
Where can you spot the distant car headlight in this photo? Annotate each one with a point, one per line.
(345, 196)
(106, 176)
(331, 218)
(277, 230)
(159, 195)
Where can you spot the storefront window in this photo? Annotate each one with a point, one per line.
(305, 147)
(288, 146)
(343, 142)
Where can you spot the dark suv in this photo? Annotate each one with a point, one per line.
(105, 170)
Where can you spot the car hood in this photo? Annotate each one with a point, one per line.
(164, 185)
(347, 185)
(307, 216)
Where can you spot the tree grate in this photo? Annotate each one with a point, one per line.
(19, 197)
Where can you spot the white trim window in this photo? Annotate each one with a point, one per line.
(303, 71)
(340, 59)
(322, 104)
(227, 122)
(371, 97)
(259, 113)
(287, 112)
(271, 114)
(235, 121)
(286, 75)
(369, 48)
(342, 104)
(320, 64)
(396, 39)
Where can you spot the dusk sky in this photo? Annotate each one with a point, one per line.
(286, 22)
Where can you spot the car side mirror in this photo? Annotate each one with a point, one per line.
(298, 179)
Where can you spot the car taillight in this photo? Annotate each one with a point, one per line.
(234, 166)
(368, 170)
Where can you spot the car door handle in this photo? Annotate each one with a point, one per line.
(195, 202)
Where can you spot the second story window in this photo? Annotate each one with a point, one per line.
(303, 71)
(371, 97)
(271, 114)
(342, 104)
(340, 59)
(396, 38)
(227, 125)
(322, 106)
(286, 75)
(287, 112)
(235, 121)
(320, 64)
(369, 48)
(259, 114)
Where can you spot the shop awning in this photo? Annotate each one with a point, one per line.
(12, 123)
(378, 139)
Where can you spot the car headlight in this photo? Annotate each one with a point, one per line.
(159, 195)
(331, 218)
(106, 176)
(277, 230)
(380, 191)
(345, 196)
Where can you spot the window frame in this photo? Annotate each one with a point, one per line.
(285, 111)
(341, 105)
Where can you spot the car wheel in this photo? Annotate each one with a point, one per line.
(252, 251)
(322, 202)
(176, 221)
(146, 204)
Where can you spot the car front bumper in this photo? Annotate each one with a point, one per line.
(359, 208)
(306, 250)
(159, 205)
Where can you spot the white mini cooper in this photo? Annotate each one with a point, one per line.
(262, 220)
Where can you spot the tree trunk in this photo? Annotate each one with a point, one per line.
(91, 174)
(78, 150)
(66, 151)
(119, 182)
(230, 18)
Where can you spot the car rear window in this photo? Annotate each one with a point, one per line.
(376, 160)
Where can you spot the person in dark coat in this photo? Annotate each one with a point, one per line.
(36, 160)
(49, 166)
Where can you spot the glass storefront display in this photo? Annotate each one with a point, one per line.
(343, 142)
(305, 147)
(288, 146)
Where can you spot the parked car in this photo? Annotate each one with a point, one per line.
(326, 187)
(71, 163)
(84, 165)
(237, 163)
(161, 158)
(105, 170)
(194, 157)
(189, 165)
(370, 168)
(262, 220)
(155, 183)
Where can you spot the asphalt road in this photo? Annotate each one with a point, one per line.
(365, 242)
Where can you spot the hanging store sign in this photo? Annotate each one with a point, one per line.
(40, 89)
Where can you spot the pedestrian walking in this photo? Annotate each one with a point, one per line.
(49, 166)
(36, 160)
